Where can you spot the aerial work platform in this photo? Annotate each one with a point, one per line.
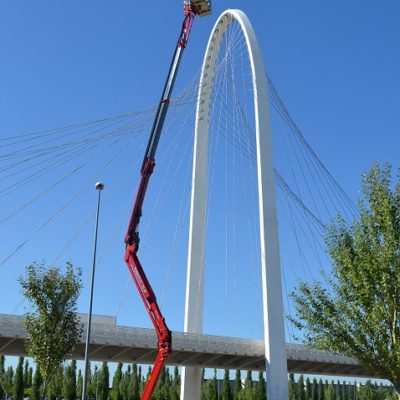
(132, 239)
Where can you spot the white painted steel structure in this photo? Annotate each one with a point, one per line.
(275, 348)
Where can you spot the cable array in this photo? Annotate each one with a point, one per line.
(308, 195)
(46, 179)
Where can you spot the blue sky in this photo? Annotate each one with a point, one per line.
(335, 65)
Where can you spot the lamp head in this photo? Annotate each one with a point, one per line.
(99, 186)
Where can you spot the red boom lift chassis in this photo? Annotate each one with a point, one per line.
(195, 7)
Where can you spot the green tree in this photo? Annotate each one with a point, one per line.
(338, 391)
(260, 393)
(124, 385)
(163, 388)
(301, 395)
(19, 380)
(79, 385)
(350, 390)
(26, 374)
(366, 391)
(355, 391)
(358, 315)
(115, 391)
(248, 392)
(89, 379)
(135, 383)
(345, 393)
(93, 384)
(314, 390)
(203, 384)
(103, 382)
(382, 393)
(140, 378)
(2, 373)
(215, 384)
(36, 385)
(237, 388)
(144, 379)
(226, 391)
(308, 389)
(330, 392)
(53, 326)
(54, 388)
(30, 376)
(7, 381)
(321, 393)
(292, 387)
(210, 389)
(69, 381)
(176, 385)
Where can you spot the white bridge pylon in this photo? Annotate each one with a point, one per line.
(273, 314)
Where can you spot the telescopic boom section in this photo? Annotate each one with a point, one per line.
(196, 7)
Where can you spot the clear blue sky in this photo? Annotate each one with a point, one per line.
(335, 64)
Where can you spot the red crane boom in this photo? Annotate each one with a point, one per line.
(195, 7)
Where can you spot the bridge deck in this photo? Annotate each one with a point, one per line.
(113, 343)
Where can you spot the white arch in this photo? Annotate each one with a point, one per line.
(275, 348)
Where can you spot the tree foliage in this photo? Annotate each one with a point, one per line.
(53, 327)
(308, 389)
(54, 389)
(26, 373)
(69, 383)
(248, 391)
(104, 382)
(63, 386)
(321, 391)
(36, 385)
(237, 388)
(358, 314)
(7, 381)
(30, 376)
(124, 383)
(330, 392)
(301, 394)
(292, 387)
(314, 390)
(135, 383)
(226, 392)
(79, 385)
(2, 374)
(260, 393)
(115, 391)
(93, 382)
(176, 385)
(210, 388)
(19, 380)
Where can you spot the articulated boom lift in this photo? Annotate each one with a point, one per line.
(195, 7)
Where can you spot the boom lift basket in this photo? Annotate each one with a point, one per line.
(200, 7)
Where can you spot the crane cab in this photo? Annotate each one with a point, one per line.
(200, 7)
